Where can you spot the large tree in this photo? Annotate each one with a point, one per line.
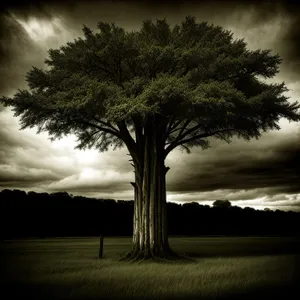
(153, 90)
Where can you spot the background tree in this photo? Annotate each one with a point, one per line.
(222, 203)
(153, 90)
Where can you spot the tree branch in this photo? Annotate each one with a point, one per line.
(90, 135)
(186, 123)
(138, 126)
(107, 130)
(108, 125)
(182, 134)
(128, 140)
(174, 144)
(172, 125)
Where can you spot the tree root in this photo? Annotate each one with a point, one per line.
(162, 256)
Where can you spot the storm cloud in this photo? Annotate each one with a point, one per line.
(258, 173)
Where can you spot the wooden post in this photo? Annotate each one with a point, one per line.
(101, 246)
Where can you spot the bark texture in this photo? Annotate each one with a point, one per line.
(150, 236)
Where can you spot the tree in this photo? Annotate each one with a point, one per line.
(222, 203)
(153, 90)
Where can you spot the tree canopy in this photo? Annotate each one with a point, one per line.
(222, 203)
(194, 80)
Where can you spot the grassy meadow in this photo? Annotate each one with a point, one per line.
(221, 268)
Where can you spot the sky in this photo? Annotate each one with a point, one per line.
(260, 173)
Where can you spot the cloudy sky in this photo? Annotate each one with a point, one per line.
(261, 173)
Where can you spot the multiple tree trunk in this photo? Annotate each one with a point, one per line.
(150, 237)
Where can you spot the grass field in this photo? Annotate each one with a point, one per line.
(222, 268)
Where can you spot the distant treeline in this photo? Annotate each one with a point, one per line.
(60, 214)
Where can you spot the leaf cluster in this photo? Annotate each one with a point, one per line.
(195, 78)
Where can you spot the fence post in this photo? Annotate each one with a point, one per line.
(101, 246)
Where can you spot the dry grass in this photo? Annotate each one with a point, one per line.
(69, 269)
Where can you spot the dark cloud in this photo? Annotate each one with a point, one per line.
(27, 159)
(101, 187)
(27, 9)
(287, 43)
(245, 14)
(25, 179)
(241, 166)
(13, 41)
(9, 141)
(239, 172)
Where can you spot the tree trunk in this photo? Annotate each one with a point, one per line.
(150, 238)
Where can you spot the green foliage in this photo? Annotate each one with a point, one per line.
(195, 78)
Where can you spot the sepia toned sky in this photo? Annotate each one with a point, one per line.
(260, 173)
